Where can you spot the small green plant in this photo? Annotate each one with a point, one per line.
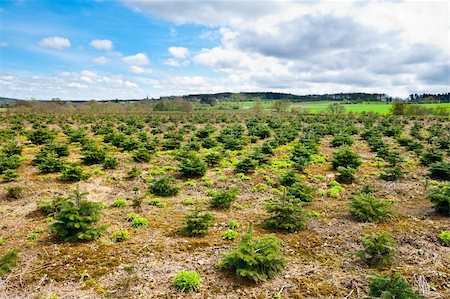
(213, 159)
(345, 157)
(51, 207)
(440, 197)
(13, 193)
(289, 178)
(187, 281)
(10, 175)
(286, 213)
(346, 175)
(233, 224)
(246, 165)
(224, 199)
(301, 192)
(440, 170)
(192, 166)
(134, 172)
(366, 207)
(392, 174)
(137, 221)
(379, 249)
(8, 261)
(255, 259)
(229, 234)
(118, 203)
(33, 236)
(341, 139)
(142, 154)
(110, 163)
(157, 203)
(120, 235)
(431, 156)
(73, 173)
(444, 236)
(2, 241)
(164, 187)
(393, 286)
(76, 219)
(197, 223)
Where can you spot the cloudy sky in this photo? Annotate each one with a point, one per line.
(133, 48)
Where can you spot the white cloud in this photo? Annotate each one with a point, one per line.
(55, 42)
(76, 85)
(4, 44)
(137, 59)
(178, 52)
(101, 60)
(139, 70)
(102, 44)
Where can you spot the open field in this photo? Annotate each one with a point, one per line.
(320, 107)
(122, 156)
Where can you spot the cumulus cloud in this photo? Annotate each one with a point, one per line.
(178, 52)
(84, 85)
(55, 42)
(139, 70)
(102, 44)
(101, 60)
(319, 46)
(137, 59)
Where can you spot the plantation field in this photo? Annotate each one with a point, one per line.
(320, 107)
(118, 205)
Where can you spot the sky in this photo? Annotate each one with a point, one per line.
(106, 49)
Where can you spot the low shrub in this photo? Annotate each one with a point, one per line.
(193, 166)
(444, 236)
(120, 235)
(440, 170)
(137, 221)
(393, 286)
(229, 234)
(73, 173)
(13, 193)
(118, 203)
(431, 156)
(51, 207)
(187, 281)
(392, 174)
(346, 175)
(9, 175)
(8, 261)
(345, 157)
(197, 223)
(366, 207)
(224, 199)
(246, 165)
(110, 163)
(213, 159)
(300, 192)
(286, 213)
(233, 224)
(141, 154)
(164, 187)
(440, 197)
(342, 139)
(93, 155)
(288, 178)
(76, 219)
(255, 259)
(379, 249)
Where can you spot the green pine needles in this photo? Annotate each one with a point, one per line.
(255, 259)
(379, 249)
(393, 286)
(366, 207)
(286, 213)
(187, 281)
(76, 219)
(197, 223)
(8, 261)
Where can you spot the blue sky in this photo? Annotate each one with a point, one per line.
(131, 49)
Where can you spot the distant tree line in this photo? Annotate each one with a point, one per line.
(430, 98)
